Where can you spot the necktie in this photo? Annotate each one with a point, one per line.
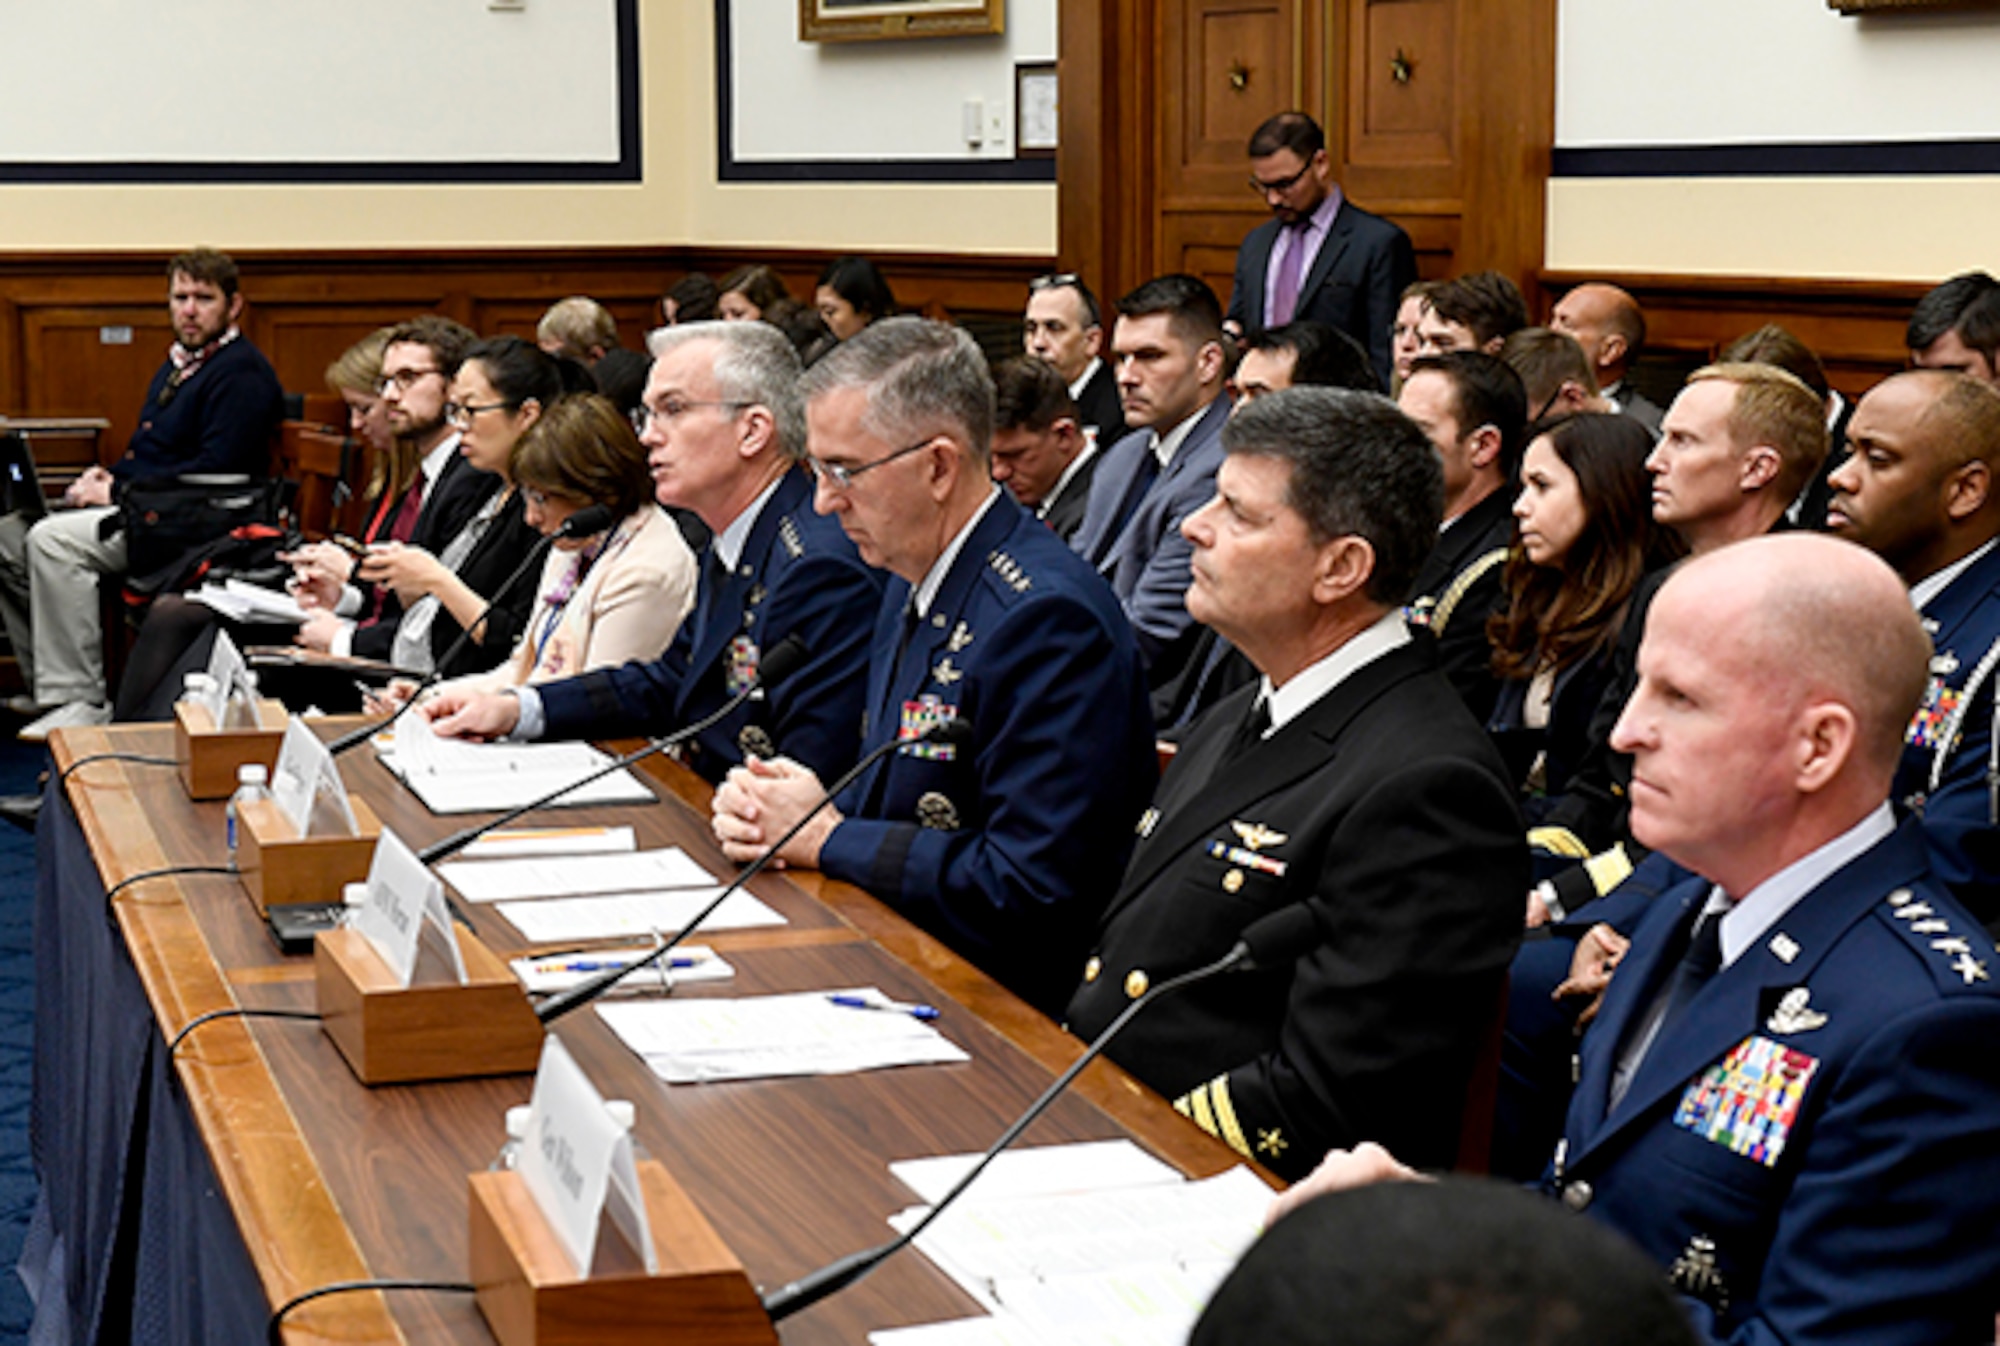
(402, 526)
(1143, 477)
(1697, 966)
(708, 596)
(1285, 287)
(1256, 723)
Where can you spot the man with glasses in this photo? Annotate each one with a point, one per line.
(1064, 329)
(1321, 257)
(418, 365)
(1006, 843)
(213, 406)
(725, 430)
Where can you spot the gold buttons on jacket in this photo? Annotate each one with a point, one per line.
(1136, 983)
(1092, 968)
(1577, 1195)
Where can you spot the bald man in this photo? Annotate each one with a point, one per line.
(1788, 1097)
(1920, 491)
(1607, 323)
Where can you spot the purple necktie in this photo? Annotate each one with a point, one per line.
(1285, 290)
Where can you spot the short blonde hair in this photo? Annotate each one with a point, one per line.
(578, 325)
(1776, 408)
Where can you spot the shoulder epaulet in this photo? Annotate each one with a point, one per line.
(788, 534)
(1959, 957)
(1009, 570)
(1461, 583)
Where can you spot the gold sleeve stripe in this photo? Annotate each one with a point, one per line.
(1471, 575)
(1558, 841)
(1225, 1113)
(1608, 869)
(1194, 1103)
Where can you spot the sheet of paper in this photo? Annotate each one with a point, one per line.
(453, 776)
(1042, 1170)
(761, 1037)
(245, 602)
(565, 920)
(689, 963)
(668, 870)
(510, 842)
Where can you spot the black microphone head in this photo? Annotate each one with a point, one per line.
(587, 522)
(953, 732)
(782, 660)
(1285, 936)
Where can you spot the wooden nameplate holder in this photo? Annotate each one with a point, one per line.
(280, 868)
(209, 755)
(531, 1296)
(393, 1034)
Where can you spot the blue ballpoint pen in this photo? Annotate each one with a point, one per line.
(891, 1006)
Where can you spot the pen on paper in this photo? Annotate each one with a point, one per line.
(889, 1006)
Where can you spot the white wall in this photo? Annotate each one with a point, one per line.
(876, 100)
(284, 81)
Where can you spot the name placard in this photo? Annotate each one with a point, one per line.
(306, 785)
(576, 1159)
(400, 899)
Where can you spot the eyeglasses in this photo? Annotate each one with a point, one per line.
(541, 499)
(672, 409)
(1062, 280)
(403, 380)
(457, 414)
(1282, 185)
(842, 477)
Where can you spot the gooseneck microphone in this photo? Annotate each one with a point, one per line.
(1282, 937)
(779, 663)
(953, 731)
(587, 522)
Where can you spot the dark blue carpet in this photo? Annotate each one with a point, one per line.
(20, 765)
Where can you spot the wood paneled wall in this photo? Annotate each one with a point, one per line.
(80, 334)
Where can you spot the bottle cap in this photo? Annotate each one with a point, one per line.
(253, 773)
(517, 1122)
(622, 1112)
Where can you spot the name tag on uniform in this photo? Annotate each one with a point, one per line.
(1749, 1101)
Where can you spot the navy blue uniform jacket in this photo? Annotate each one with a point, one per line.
(1866, 1207)
(1009, 850)
(798, 575)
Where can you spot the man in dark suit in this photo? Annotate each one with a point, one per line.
(1349, 778)
(1957, 327)
(725, 431)
(1787, 1097)
(1064, 329)
(1322, 257)
(1041, 454)
(1608, 324)
(1922, 491)
(1168, 347)
(1005, 845)
(1472, 408)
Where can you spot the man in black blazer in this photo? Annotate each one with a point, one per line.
(1321, 257)
(1064, 328)
(1350, 779)
(1041, 453)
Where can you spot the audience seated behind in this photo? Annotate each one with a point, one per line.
(689, 299)
(852, 293)
(1608, 324)
(606, 598)
(577, 328)
(1555, 372)
(1957, 327)
(1475, 312)
(1405, 345)
(1586, 538)
(1773, 345)
(1041, 453)
(1063, 327)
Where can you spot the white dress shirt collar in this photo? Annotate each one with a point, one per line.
(728, 544)
(1926, 590)
(1314, 681)
(926, 592)
(1745, 922)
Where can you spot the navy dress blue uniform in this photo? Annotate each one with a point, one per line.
(1947, 770)
(1458, 588)
(1810, 1146)
(797, 575)
(1383, 806)
(1007, 846)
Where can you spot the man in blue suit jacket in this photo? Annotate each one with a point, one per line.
(725, 427)
(1167, 350)
(1788, 1096)
(1921, 489)
(1006, 845)
(1350, 267)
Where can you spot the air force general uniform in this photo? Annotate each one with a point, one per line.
(1809, 1147)
(1381, 805)
(797, 574)
(1007, 845)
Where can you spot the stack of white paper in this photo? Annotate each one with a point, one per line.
(245, 602)
(564, 920)
(759, 1037)
(669, 870)
(512, 842)
(1130, 1263)
(454, 776)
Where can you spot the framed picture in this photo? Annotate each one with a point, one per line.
(1037, 130)
(874, 20)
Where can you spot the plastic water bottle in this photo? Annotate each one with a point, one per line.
(253, 781)
(626, 1116)
(517, 1135)
(195, 685)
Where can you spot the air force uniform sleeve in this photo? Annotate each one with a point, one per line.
(798, 575)
(1005, 846)
(1809, 1149)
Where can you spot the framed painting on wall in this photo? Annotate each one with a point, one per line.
(874, 20)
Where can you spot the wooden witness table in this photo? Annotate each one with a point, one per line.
(328, 1180)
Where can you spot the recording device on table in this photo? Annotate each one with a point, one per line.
(295, 927)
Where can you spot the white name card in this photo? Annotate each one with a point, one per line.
(576, 1159)
(227, 676)
(306, 786)
(402, 897)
